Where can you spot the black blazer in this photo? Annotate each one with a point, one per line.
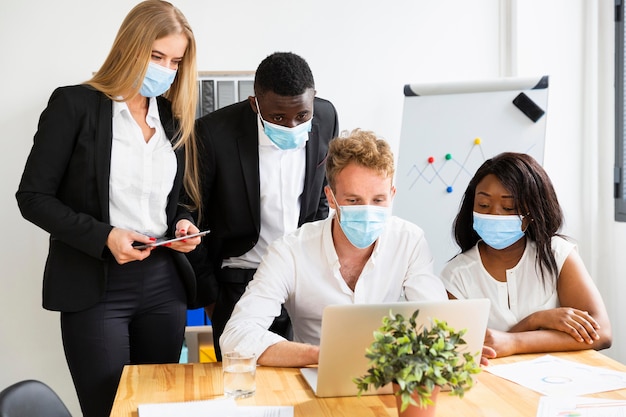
(230, 182)
(65, 190)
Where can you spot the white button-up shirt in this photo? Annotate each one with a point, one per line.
(282, 184)
(301, 270)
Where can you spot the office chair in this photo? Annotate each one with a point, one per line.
(31, 398)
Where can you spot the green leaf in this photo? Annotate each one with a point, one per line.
(417, 358)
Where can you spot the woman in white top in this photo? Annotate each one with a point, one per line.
(109, 161)
(542, 297)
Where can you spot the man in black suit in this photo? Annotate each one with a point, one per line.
(262, 176)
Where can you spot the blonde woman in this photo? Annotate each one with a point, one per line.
(105, 171)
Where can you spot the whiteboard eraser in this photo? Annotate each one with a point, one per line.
(528, 107)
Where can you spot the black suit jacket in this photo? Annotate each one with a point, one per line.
(229, 156)
(65, 190)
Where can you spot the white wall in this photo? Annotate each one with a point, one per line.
(607, 236)
(362, 52)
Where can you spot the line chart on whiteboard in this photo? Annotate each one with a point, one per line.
(448, 169)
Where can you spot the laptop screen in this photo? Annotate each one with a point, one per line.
(347, 331)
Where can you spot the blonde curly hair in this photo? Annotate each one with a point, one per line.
(360, 147)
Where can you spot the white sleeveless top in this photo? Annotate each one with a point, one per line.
(524, 291)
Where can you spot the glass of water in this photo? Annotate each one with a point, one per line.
(239, 374)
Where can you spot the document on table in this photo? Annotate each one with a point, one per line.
(580, 407)
(226, 407)
(550, 375)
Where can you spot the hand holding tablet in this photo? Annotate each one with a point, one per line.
(163, 240)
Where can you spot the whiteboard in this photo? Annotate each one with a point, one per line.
(448, 131)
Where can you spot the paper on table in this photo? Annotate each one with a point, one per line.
(265, 411)
(550, 375)
(580, 407)
(223, 407)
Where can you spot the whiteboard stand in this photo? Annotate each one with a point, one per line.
(448, 131)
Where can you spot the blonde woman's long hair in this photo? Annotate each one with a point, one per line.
(128, 61)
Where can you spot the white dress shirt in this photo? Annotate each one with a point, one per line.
(522, 294)
(282, 183)
(301, 270)
(142, 174)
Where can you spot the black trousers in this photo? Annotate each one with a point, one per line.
(140, 320)
(232, 284)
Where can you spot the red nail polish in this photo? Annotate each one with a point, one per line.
(153, 239)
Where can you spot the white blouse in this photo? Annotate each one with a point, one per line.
(142, 174)
(524, 291)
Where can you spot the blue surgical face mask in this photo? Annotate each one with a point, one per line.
(157, 81)
(362, 225)
(499, 232)
(286, 137)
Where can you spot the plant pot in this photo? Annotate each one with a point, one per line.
(416, 410)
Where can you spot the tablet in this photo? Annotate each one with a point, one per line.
(163, 240)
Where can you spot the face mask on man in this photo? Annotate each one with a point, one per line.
(362, 224)
(285, 137)
(157, 81)
(499, 232)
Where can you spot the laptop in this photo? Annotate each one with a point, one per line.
(347, 330)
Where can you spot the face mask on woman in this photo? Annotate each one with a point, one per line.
(157, 81)
(499, 232)
(286, 137)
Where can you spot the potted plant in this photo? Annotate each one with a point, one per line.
(418, 361)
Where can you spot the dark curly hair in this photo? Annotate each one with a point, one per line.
(534, 198)
(284, 73)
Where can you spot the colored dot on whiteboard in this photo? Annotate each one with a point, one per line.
(477, 141)
(448, 156)
(431, 159)
(449, 189)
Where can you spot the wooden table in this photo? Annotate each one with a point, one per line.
(491, 397)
